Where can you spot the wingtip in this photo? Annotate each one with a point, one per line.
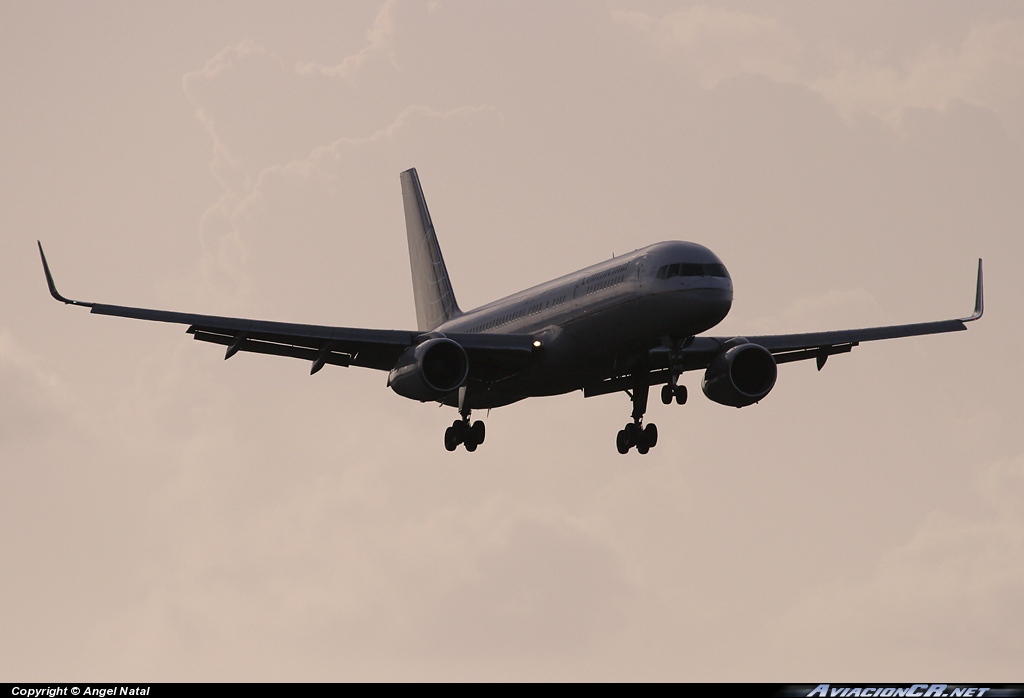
(979, 296)
(52, 286)
(49, 276)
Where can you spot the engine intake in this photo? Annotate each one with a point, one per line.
(430, 371)
(740, 376)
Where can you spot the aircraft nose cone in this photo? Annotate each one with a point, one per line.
(714, 303)
(708, 305)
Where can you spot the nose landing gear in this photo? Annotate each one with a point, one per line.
(676, 392)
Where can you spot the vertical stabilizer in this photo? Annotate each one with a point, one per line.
(431, 288)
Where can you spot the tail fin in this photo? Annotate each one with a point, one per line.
(431, 288)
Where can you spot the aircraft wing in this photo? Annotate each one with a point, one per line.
(821, 345)
(699, 352)
(491, 356)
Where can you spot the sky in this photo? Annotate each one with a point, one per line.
(169, 516)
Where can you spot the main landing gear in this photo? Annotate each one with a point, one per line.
(635, 434)
(460, 432)
(644, 438)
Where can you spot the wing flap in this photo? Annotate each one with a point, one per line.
(369, 348)
(315, 356)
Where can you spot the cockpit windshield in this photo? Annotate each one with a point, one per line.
(692, 269)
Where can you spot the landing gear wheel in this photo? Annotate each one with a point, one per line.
(622, 442)
(650, 438)
(478, 432)
(666, 394)
(461, 432)
(451, 441)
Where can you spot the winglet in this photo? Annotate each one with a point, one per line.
(979, 298)
(53, 287)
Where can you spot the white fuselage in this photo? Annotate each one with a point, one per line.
(606, 313)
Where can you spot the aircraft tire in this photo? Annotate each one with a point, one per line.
(622, 442)
(459, 429)
(451, 442)
(666, 394)
(470, 445)
(650, 436)
(680, 395)
(478, 431)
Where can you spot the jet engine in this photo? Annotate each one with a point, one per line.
(740, 376)
(430, 371)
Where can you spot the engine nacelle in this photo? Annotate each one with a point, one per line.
(430, 371)
(740, 376)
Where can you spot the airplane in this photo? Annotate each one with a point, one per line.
(623, 325)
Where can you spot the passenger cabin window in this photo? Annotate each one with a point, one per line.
(669, 271)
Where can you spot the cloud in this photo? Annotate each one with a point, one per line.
(713, 44)
(951, 595)
(378, 39)
(316, 194)
(259, 112)
(977, 71)
(34, 402)
(544, 589)
(352, 575)
(280, 130)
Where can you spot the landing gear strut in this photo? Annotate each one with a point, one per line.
(635, 434)
(461, 432)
